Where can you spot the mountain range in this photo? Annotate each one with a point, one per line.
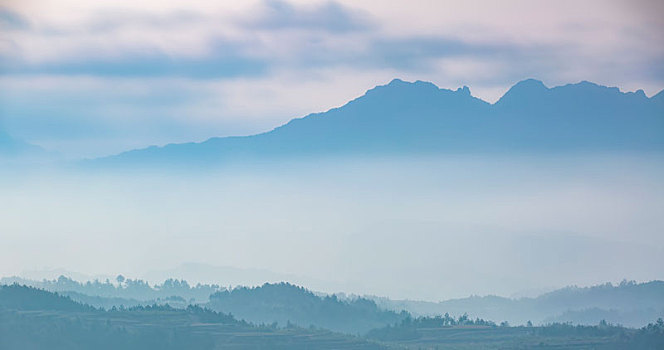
(418, 117)
(11, 147)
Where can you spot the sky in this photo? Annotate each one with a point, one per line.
(92, 78)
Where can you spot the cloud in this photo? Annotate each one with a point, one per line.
(329, 17)
(219, 65)
(10, 20)
(224, 67)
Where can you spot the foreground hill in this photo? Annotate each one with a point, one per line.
(628, 303)
(407, 118)
(284, 303)
(36, 319)
(280, 303)
(631, 304)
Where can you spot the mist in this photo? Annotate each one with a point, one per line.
(428, 228)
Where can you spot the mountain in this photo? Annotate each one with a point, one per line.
(11, 147)
(658, 98)
(405, 118)
(17, 297)
(285, 303)
(631, 304)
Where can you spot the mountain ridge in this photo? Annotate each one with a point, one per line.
(627, 303)
(419, 117)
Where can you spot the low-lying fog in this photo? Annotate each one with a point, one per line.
(430, 228)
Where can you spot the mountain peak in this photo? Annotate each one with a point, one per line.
(464, 90)
(530, 84)
(398, 88)
(523, 90)
(398, 83)
(658, 98)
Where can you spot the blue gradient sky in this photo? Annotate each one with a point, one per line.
(92, 78)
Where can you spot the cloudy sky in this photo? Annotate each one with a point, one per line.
(90, 78)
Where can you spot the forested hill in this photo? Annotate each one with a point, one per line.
(628, 303)
(36, 319)
(284, 303)
(24, 298)
(124, 291)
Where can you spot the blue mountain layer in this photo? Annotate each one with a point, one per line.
(406, 118)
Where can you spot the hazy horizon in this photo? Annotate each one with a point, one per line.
(421, 174)
(417, 227)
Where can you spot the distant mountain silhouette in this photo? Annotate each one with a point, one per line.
(418, 117)
(205, 273)
(629, 303)
(11, 147)
(658, 98)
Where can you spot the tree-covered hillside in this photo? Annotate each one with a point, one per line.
(464, 333)
(284, 303)
(125, 291)
(36, 319)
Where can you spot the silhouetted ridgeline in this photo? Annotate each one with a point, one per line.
(628, 303)
(283, 303)
(11, 147)
(25, 298)
(15, 152)
(36, 319)
(127, 292)
(411, 118)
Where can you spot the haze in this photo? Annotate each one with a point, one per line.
(428, 228)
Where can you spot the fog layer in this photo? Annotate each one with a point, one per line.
(430, 228)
